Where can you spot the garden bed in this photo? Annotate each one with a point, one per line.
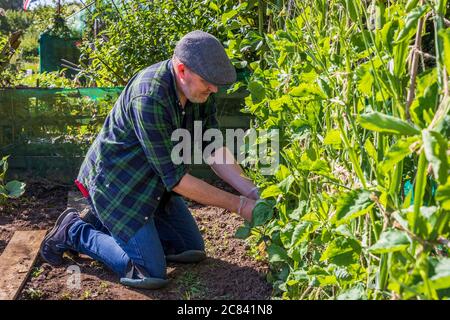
(228, 273)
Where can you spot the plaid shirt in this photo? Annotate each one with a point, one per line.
(128, 169)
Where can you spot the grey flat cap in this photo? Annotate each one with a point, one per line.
(204, 54)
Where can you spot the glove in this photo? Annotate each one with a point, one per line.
(253, 194)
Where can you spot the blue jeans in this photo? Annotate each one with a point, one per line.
(171, 230)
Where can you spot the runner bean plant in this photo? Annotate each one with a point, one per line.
(359, 207)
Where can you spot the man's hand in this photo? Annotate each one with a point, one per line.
(246, 211)
(204, 193)
(253, 194)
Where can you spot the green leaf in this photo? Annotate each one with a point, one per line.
(352, 9)
(277, 254)
(277, 104)
(242, 232)
(443, 195)
(426, 99)
(391, 240)
(282, 172)
(445, 35)
(2, 191)
(344, 230)
(323, 84)
(397, 152)
(257, 91)
(353, 204)
(355, 293)
(286, 235)
(435, 147)
(383, 123)
(4, 164)
(213, 6)
(387, 34)
(365, 78)
(271, 191)
(371, 151)
(411, 23)
(299, 211)
(332, 137)
(228, 15)
(441, 278)
(15, 189)
(342, 251)
(400, 53)
(285, 185)
(301, 232)
(307, 90)
(411, 4)
(262, 213)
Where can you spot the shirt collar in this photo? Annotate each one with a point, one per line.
(174, 84)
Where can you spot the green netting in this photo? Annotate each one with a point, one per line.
(47, 131)
(52, 51)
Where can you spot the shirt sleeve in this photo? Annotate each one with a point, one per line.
(153, 128)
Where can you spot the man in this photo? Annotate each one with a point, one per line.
(138, 219)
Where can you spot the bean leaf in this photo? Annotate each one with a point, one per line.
(397, 152)
(441, 278)
(14, 189)
(262, 213)
(391, 240)
(411, 22)
(353, 204)
(436, 153)
(443, 195)
(383, 123)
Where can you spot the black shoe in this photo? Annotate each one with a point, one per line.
(55, 243)
(137, 277)
(189, 256)
(88, 216)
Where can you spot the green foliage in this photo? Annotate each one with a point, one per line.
(132, 38)
(32, 23)
(137, 33)
(334, 81)
(11, 189)
(15, 20)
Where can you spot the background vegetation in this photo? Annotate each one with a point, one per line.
(359, 206)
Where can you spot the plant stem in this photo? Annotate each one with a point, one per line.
(383, 272)
(419, 189)
(414, 65)
(352, 154)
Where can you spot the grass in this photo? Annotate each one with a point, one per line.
(192, 286)
(34, 294)
(36, 272)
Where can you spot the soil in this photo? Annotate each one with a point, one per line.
(229, 272)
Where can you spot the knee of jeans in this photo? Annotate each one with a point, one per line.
(198, 244)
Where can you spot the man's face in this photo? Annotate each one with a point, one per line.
(195, 88)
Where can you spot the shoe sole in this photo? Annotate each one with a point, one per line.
(55, 228)
(189, 256)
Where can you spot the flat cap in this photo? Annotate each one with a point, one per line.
(204, 54)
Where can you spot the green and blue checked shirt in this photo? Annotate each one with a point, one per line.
(128, 169)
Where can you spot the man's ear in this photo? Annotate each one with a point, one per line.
(181, 69)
